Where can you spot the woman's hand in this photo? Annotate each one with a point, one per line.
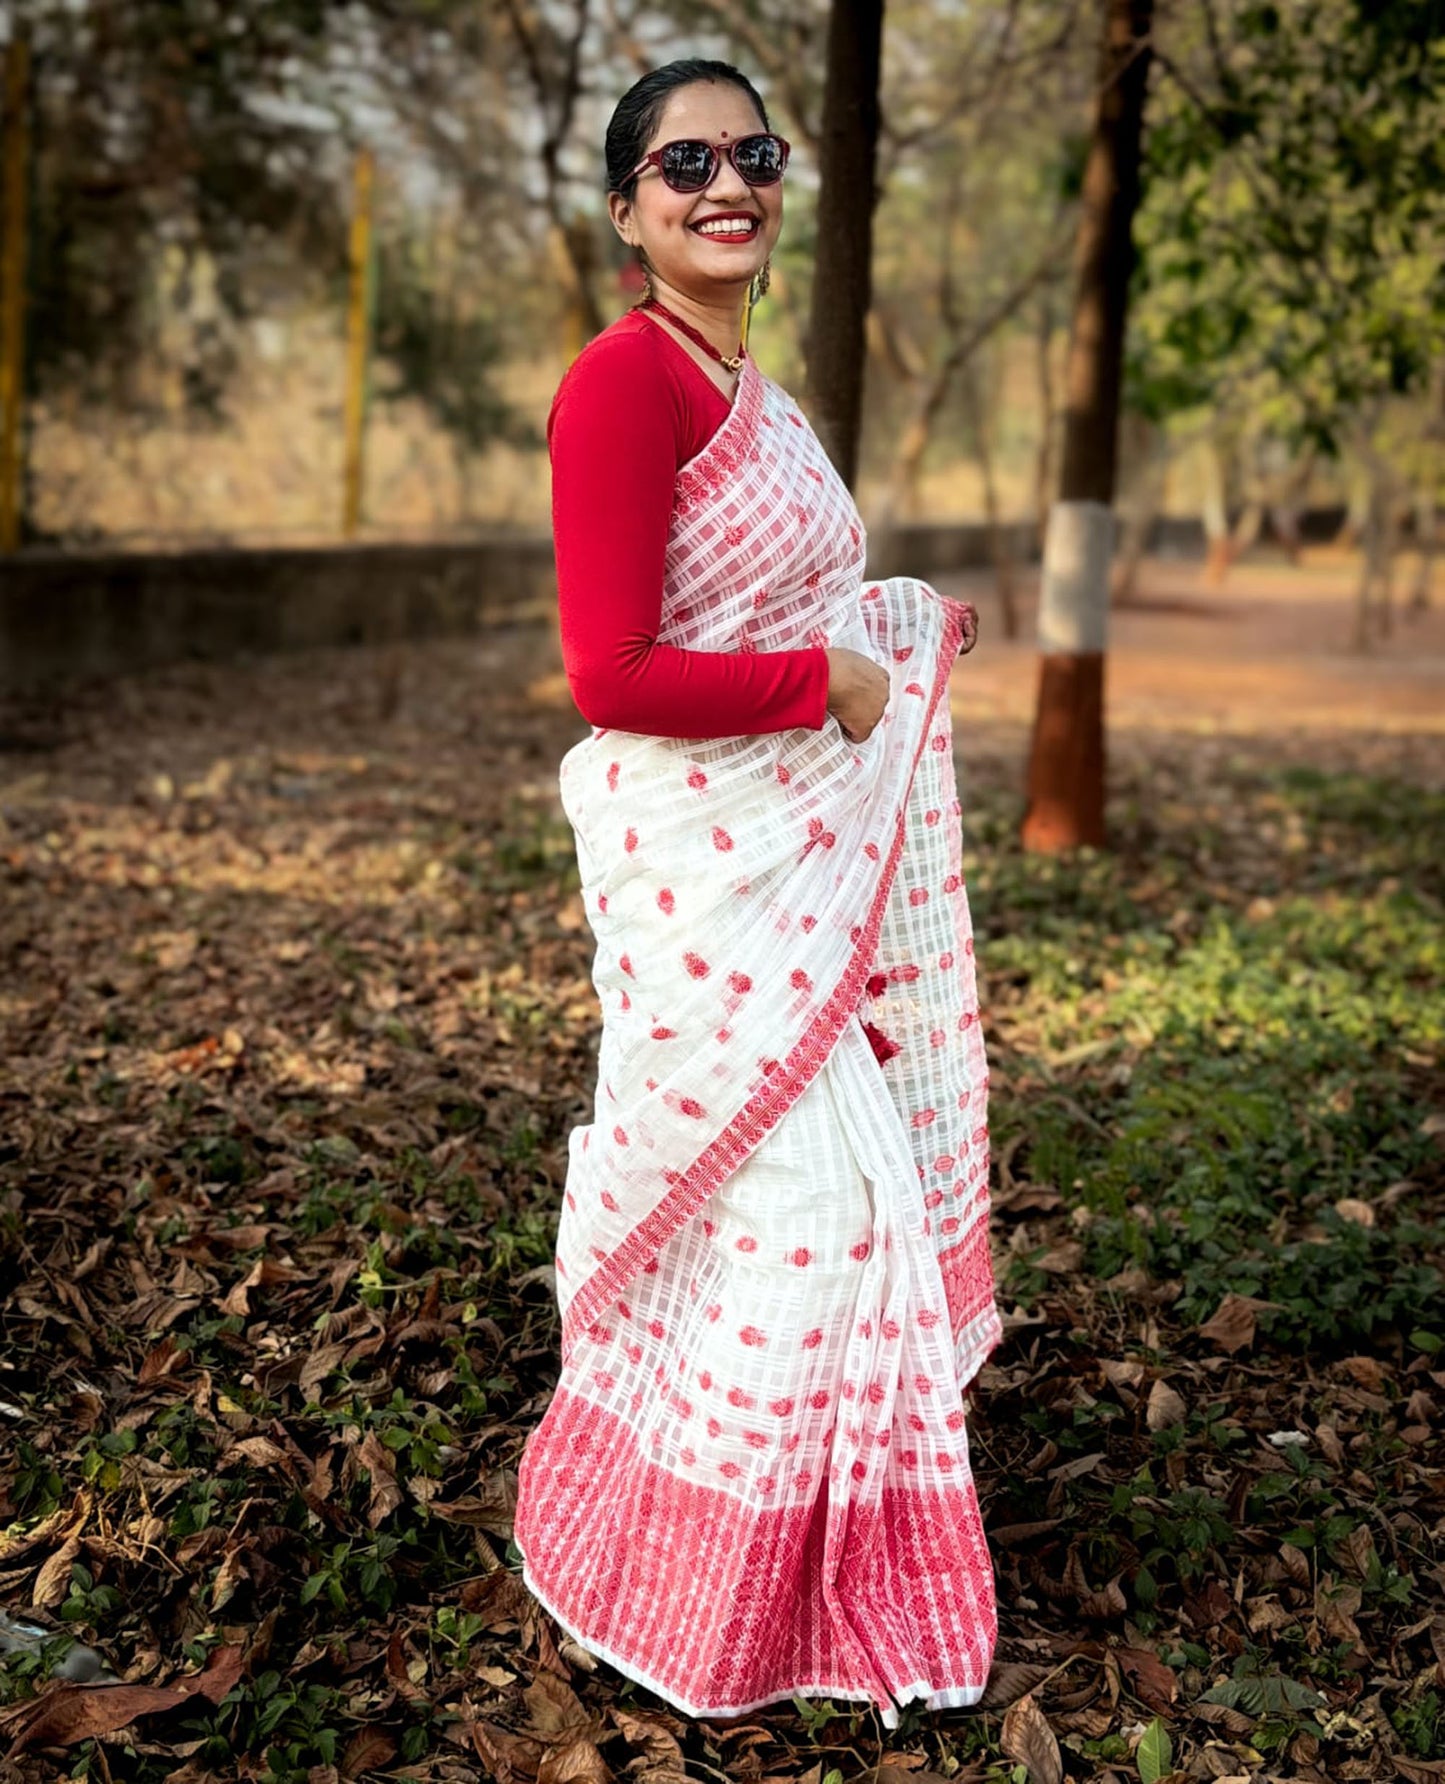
(970, 628)
(858, 691)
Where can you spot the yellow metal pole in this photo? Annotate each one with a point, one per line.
(12, 284)
(358, 340)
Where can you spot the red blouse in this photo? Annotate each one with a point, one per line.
(632, 408)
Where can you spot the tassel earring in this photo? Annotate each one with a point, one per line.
(761, 281)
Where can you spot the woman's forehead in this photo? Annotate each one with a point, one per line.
(706, 108)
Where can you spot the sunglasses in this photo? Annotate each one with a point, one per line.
(690, 164)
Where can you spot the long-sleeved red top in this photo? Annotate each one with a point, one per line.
(632, 408)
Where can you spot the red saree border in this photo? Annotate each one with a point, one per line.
(624, 1557)
(782, 1088)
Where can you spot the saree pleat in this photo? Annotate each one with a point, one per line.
(753, 1479)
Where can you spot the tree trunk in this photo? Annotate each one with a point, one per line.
(1425, 529)
(1151, 473)
(998, 541)
(1215, 517)
(842, 265)
(1044, 458)
(1066, 762)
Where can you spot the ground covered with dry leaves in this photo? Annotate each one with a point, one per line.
(296, 1016)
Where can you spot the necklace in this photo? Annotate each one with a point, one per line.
(693, 334)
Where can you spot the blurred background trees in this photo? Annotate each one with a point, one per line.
(191, 183)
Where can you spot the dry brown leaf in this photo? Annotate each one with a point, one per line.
(509, 1758)
(660, 1758)
(380, 1464)
(1361, 1213)
(1027, 1739)
(1366, 1371)
(369, 1750)
(1152, 1682)
(1296, 1563)
(228, 1576)
(1232, 1324)
(554, 1707)
(66, 1714)
(499, 1598)
(1009, 1681)
(1165, 1407)
(52, 1583)
(573, 1762)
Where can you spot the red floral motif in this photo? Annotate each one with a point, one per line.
(696, 965)
(720, 838)
(696, 778)
(664, 1034)
(751, 1335)
(629, 839)
(811, 1340)
(613, 770)
(799, 980)
(620, 1135)
(740, 983)
(626, 966)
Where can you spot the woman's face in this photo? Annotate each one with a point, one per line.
(664, 223)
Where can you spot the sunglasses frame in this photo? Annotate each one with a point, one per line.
(717, 150)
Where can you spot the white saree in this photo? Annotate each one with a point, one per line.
(773, 1265)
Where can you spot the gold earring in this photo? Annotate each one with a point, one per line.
(762, 280)
(646, 297)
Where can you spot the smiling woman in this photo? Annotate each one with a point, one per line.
(773, 1268)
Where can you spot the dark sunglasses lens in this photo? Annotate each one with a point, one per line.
(759, 159)
(687, 166)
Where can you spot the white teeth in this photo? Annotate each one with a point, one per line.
(733, 227)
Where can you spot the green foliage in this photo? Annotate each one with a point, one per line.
(1207, 1080)
(1292, 230)
(1259, 1689)
(1155, 1753)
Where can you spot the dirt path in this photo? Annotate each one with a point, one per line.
(1270, 650)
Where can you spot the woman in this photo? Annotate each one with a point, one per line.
(773, 1268)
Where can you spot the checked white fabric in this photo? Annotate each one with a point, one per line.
(773, 1267)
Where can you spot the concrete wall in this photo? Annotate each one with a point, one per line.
(66, 614)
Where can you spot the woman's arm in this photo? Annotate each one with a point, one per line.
(616, 435)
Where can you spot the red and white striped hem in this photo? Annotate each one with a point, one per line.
(720, 1606)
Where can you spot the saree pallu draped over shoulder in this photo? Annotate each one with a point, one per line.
(773, 1266)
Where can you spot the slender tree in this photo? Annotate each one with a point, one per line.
(842, 271)
(1066, 763)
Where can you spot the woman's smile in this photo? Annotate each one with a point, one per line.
(728, 226)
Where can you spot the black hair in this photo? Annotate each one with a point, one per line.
(636, 115)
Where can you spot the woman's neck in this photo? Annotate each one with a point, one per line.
(720, 319)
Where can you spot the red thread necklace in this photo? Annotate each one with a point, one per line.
(693, 334)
